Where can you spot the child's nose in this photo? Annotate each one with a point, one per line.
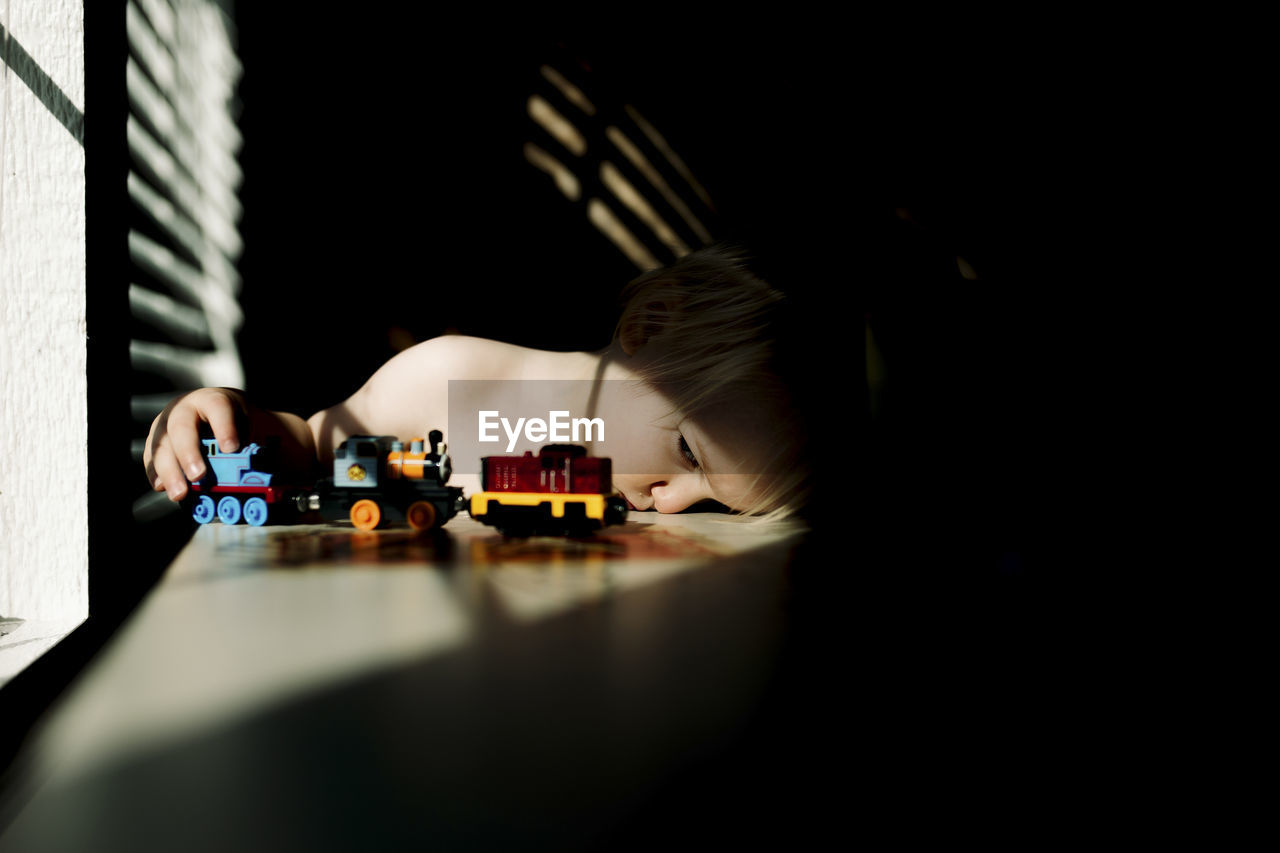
(677, 493)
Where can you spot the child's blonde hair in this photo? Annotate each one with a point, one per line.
(711, 328)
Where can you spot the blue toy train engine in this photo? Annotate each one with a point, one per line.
(236, 487)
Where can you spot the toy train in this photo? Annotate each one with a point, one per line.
(561, 491)
(238, 488)
(376, 480)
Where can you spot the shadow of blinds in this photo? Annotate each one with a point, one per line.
(605, 158)
(183, 185)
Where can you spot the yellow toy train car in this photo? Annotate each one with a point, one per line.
(561, 491)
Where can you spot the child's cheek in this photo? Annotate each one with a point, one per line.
(626, 447)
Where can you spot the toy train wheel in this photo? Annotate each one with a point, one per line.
(421, 515)
(366, 514)
(229, 509)
(255, 512)
(204, 511)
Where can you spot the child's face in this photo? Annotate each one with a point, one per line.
(666, 461)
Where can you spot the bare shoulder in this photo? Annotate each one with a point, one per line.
(465, 357)
(410, 393)
(440, 359)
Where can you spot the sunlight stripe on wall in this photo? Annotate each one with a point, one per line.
(186, 368)
(565, 180)
(637, 204)
(603, 219)
(572, 93)
(643, 198)
(661, 144)
(557, 125)
(186, 281)
(180, 322)
(637, 159)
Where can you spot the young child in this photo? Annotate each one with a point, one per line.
(692, 392)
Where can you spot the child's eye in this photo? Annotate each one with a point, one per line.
(687, 453)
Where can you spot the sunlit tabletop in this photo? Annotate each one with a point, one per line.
(254, 635)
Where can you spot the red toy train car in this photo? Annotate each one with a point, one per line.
(560, 491)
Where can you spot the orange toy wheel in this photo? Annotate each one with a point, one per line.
(366, 514)
(421, 515)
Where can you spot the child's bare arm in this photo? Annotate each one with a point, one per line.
(409, 395)
(173, 453)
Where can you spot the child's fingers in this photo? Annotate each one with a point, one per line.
(168, 474)
(148, 451)
(218, 410)
(183, 441)
(174, 454)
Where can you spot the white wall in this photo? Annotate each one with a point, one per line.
(43, 491)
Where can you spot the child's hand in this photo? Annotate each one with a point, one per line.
(173, 453)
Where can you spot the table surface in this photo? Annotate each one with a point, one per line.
(417, 686)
